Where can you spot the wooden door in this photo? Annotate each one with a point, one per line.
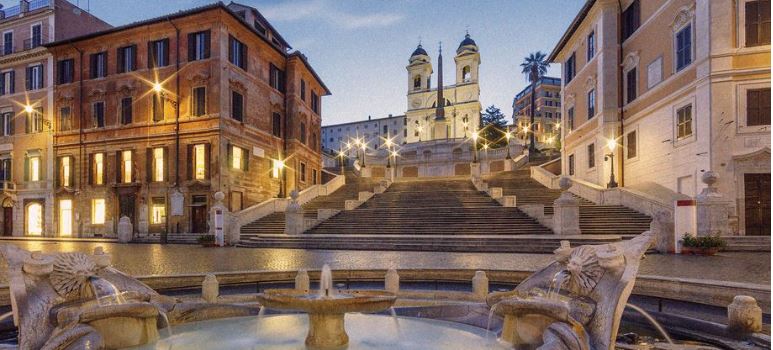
(199, 219)
(757, 204)
(7, 221)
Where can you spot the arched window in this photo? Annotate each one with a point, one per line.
(417, 82)
(34, 217)
(466, 74)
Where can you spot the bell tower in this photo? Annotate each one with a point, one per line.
(467, 61)
(419, 71)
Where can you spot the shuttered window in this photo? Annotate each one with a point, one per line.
(684, 47)
(758, 107)
(98, 114)
(158, 107)
(158, 53)
(630, 85)
(126, 110)
(34, 77)
(277, 124)
(237, 53)
(127, 59)
(98, 65)
(631, 19)
(66, 71)
(199, 101)
(198, 45)
(591, 155)
(630, 144)
(237, 106)
(757, 23)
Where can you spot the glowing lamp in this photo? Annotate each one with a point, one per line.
(28, 109)
(157, 87)
(611, 144)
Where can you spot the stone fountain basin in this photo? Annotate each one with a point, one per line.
(555, 309)
(340, 302)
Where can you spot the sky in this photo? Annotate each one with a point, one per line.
(360, 47)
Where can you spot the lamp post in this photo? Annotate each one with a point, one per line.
(364, 146)
(611, 144)
(475, 146)
(525, 135)
(508, 136)
(388, 144)
(341, 159)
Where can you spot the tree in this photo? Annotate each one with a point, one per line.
(494, 126)
(534, 67)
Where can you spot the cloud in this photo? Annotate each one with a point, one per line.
(323, 10)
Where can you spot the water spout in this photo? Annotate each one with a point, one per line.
(326, 282)
(652, 321)
(105, 292)
(554, 290)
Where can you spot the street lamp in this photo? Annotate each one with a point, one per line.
(525, 135)
(508, 136)
(394, 155)
(364, 146)
(341, 159)
(475, 146)
(611, 144)
(388, 144)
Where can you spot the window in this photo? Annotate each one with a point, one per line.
(198, 46)
(199, 162)
(683, 47)
(98, 169)
(65, 217)
(631, 19)
(65, 171)
(35, 77)
(33, 168)
(313, 176)
(158, 165)
(591, 45)
(126, 167)
(239, 158)
(630, 85)
(417, 82)
(630, 145)
(199, 100)
(98, 65)
(36, 36)
(158, 107)
(303, 133)
(7, 120)
(237, 106)
(237, 53)
(303, 172)
(6, 168)
(684, 122)
(571, 164)
(126, 110)
(65, 119)
(98, 211)
(7, 85)
(127, 59)
(237, 202)
(34, 122)
(158, 211)
(758, 107)
(569, 68)
(466, 74)
(277, 124)
(757, 18)
(158, 53)
(276, 78)
(591, 103)
(7, 43)
(34, 219)
(314, 102)
(303, 90)
(591, 155)
(98, 114)
(570, 118)
(66, 71)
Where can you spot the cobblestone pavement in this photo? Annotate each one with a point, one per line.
(156, 259)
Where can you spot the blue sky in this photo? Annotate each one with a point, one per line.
(360, 47)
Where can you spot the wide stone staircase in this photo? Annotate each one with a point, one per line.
(275, 223)
(594, 219)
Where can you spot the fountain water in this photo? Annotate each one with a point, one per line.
(652, 321)
(326, 282)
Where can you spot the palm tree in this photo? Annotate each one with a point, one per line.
(534, 67)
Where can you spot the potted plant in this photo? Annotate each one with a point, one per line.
(706, 245)
(207, 240)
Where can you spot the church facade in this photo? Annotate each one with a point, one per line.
(457, 116)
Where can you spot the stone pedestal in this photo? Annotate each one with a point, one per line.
(480, 284)
(217, 217)
(566, 211)
(744, 316)
(392, 281)
(495, 192)
(294, 216)
(712, 209)
(302, 280)
(142, 218)
(210, 288)
(475, 170)
(662, 226)
(125, 229)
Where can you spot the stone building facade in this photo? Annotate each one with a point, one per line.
(547, 119)
(682, 87)
(374, 131)
(462, 99)
(154, 117)
(26, 113)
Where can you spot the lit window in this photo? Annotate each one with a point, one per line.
(158, 211)
(35, 219)
(158, 164)
(126, 167)
(684, 122)
(98, 211)
(65, 217)
(200, 162)
(66, 172)
(99, 168)
(34, 168)
(237, 155)
(276, 166)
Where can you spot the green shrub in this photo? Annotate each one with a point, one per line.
(204, 239)
(714, 241)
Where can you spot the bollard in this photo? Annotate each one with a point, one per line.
(210, 288)
(101, 258)
(302, 280)
(743, 316)
(480, 284)
(392, 281)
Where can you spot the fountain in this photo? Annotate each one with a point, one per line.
(327, 309)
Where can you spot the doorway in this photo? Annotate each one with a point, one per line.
(7, 221)
(757, 204)
(127, 203)
(199, 214)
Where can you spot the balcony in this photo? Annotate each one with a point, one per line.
(24, 6)
(27, 44)
(34, 42)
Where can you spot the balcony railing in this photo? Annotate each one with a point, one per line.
(17, 10)
(34, 42)
(27, 44)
